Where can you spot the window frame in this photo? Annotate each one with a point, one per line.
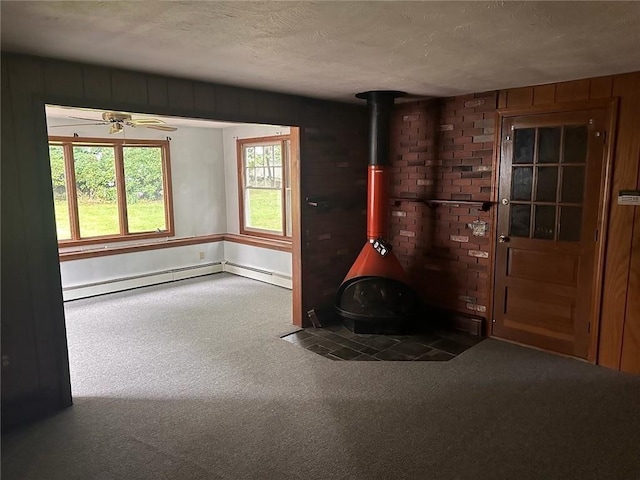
(68, 143)
(257, 141)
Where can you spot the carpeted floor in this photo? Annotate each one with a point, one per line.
(191, 380)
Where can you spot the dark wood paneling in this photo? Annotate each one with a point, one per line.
(157, 91)
(572, 91)
(227, 100)
(129, 88)
(62, 79)
(600, 87)
(204, 97)
(181, 96)
(20, 374)
(33, 189)
(97, 84)
(620, 228)
(520, 97)
(544, 94)
(631, 345)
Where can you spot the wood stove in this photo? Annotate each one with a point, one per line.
(375, 296)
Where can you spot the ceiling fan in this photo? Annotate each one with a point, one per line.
(118, 120)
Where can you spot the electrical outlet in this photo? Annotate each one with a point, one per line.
(201, 255)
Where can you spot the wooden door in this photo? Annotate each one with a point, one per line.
(549, 198)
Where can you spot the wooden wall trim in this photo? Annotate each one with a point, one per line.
(270, 243)
(280, 245)
(120, 250)
(296, 229)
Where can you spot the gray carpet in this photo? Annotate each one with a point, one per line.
(190, 380)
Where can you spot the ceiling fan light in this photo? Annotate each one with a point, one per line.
(116, 128)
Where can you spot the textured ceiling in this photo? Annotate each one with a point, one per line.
(335, 49)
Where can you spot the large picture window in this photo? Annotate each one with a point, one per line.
(108, 190)
(265, 186)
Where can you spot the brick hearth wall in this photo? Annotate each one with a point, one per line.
(443, 149)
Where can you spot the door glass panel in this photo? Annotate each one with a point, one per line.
(520, 220)
(572, 184)
(575, 144)
(521, 183)
(549, 145)
(545, 218)
(547, 184)
(570, 224)
(523, 149)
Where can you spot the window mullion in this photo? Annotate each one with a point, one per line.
(121, 191)
(72, 194)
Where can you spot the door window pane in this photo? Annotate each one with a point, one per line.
(59, 185)
(545, 220)
(570, 224)
(145, 189)
(575, 144)
(572, 184)
(523, 145)
(549, 145)
(96, 189)
(521, 183)
(546, 189)
(520, 220)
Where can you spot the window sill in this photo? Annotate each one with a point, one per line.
(265, 242)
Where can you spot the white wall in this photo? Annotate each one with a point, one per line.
(229, 137)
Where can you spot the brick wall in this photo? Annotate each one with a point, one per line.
(443, 149)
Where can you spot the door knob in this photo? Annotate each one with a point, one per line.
(503, 238)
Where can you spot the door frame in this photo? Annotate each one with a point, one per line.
(610, 105)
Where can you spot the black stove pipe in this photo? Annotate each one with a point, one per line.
(380, 103)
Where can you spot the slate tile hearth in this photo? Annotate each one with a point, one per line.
(339, 343)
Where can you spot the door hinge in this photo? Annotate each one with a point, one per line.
(589, 327)
(595, 235)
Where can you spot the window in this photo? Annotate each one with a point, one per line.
(265, 186)
(108, 190)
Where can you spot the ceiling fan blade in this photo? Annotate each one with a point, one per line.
(87, 119)
(143, 122)
(164, 128)
(78, 124)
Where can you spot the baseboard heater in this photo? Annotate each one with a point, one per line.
(268, 276)
(134, 281)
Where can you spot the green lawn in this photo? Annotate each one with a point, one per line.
(265, 212)
(102, 218)
(265, 209)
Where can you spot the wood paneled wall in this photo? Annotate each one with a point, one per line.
(35, 371)
(619, 339)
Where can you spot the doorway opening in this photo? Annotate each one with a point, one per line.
(142, 200)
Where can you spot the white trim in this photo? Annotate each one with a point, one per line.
(274, 278)
(126, 283)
